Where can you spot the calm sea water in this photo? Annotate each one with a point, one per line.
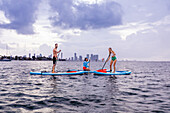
(146, 90)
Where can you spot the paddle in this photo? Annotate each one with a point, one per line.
(89, 66)
(105, 61)
(57, 59)
(103, 70)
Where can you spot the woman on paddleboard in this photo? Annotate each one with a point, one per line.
(85, 64)
(113, 59)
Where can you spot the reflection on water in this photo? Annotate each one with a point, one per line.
(147, 89)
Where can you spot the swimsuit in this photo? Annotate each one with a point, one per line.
(54, 60)
(85, 65)
(113, 58)
(84, 68)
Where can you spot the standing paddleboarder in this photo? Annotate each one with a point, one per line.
(55, 57)
(113, 60)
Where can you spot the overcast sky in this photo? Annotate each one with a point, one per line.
(135, 29)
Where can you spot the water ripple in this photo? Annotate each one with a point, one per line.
(146, 90)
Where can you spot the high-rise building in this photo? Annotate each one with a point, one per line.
(75, 57)
(33, 57)
(29, 55)
(61, 55)
(80, 58)
(40, 55)
(92, 57)
(96, 57)
(71, 58)
(88, 56)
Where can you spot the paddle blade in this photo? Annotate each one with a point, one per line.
(71, 71)
(102, 70)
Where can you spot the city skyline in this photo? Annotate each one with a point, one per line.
(80, 58)
(49, 57)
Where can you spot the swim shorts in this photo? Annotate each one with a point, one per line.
(84, 68)
(54, 60)
(114, 58)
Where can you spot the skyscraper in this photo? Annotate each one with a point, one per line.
(40, 55)
(61, 55)
(92, 57)
(96, 57)
(80, 58)
(88, 56)
(75, 57)
(29, 55)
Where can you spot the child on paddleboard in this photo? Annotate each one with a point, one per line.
(55, 57)
(85, 64)
(113, 59)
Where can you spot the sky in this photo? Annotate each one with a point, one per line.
(135, 29)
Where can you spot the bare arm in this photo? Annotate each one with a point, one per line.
(58, 51)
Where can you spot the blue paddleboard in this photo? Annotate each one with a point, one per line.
(82, 72)
(116, 73)
(59, 73)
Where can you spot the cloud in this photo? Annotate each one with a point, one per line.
(21, 15)
(45, 50)
(129, 29)
(4, 46)
(71, 14)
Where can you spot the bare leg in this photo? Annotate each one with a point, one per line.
(114, 65)
(87, 69)
(111, 65)
(53, 70)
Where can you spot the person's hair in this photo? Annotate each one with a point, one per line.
(56, 44)
(109, 51)
(85, 59)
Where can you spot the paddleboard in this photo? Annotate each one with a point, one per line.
(59, 73)
(82, 72)
(116, 73)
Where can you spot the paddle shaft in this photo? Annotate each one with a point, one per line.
(89, 64)
(105, 61)
(57, 57)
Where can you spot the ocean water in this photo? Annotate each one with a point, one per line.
(146, 90)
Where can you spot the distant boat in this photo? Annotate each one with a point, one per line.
(5, 59)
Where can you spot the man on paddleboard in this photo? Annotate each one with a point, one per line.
(55, 57)
(113, 60)
(85, 65)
